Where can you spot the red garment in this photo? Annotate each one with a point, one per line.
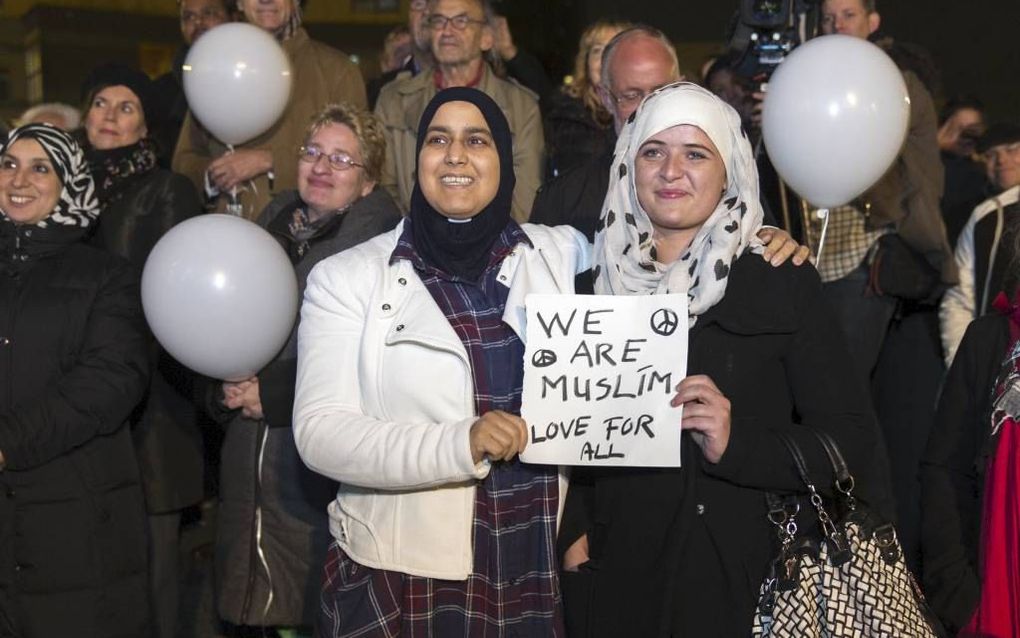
(437, 77)
(998, 611)
(1005, 307)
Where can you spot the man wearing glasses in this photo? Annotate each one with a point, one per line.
(460, 32)
(988, 243)
(634, 63)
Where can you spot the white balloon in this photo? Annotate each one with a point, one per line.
(237, 80)
(835, 118)
(220, 295)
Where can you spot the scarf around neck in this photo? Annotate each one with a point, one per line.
(116, 170)
(462, 248)
(625, 257)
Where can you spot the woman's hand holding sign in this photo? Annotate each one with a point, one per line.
(706, 414)
(498, 435)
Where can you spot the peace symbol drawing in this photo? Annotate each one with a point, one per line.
(543, 358)
(664, 322)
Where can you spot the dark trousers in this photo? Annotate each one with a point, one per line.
(863, 317)
(164, 550)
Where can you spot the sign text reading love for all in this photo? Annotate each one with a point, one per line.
(599, 373)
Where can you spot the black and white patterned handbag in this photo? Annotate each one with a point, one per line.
(851, 583)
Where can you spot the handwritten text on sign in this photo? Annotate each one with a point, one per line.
(599, 373)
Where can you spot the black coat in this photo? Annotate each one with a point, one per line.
(953, 473)
(73, 364)
(572, 136)
(575, 197)
(291, 498)
(165, 427)
(685, 551)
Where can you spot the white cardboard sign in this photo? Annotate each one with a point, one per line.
(599, 373)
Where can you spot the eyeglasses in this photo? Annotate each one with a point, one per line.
(460, 22)
(628, 98)
(632, 97)
(336, 161)
(206, 14)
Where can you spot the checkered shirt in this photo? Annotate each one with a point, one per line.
(848, 242)
(513, 589)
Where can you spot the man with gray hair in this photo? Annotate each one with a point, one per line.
(460, 32)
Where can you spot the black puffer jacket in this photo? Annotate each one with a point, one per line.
(290, 498)
(73, 364)
(165, 428)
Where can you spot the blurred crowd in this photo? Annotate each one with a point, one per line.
(109, 446)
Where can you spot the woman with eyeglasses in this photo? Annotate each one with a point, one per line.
(272, 526)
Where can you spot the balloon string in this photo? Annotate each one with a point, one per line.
(823, 214)
(233, 203)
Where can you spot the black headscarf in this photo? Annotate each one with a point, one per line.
(462, 249)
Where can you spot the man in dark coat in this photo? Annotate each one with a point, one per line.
(197, 17)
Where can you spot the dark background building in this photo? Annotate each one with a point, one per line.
(47, 47)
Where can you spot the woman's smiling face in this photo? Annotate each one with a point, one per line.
(680, 177)
(29, 186)
(458, 166)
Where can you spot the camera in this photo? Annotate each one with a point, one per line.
(765, 31)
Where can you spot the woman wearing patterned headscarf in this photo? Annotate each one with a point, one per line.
(73, 364)
(263, 167)
(410, 368)
(683, 552)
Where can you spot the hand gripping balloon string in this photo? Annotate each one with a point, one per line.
(233, 203)
(823, 214)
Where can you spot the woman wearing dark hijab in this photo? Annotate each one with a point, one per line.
(73, 364)
(410, 365)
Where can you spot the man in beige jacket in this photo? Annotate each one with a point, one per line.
(460, 34)
(264, 166)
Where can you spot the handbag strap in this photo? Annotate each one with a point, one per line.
(840, 552)
(798, 460)
(844, 479)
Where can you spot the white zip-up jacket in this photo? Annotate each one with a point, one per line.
(977, 253)
(385, 401)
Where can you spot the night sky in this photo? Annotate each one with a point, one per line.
(975, 44)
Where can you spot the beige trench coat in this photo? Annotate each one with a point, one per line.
(321, 75)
